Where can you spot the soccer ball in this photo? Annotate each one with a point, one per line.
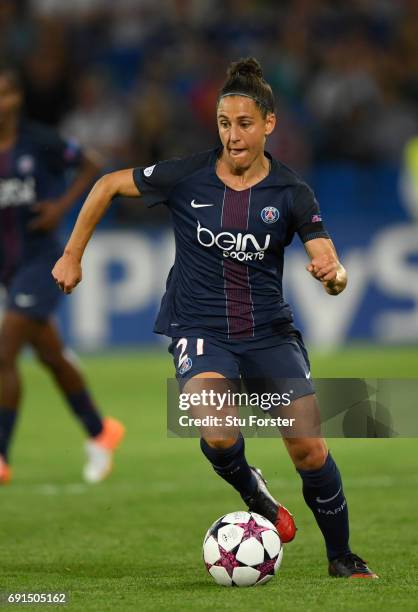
(242, 549)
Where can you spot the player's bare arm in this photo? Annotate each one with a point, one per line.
(67, 271)
(325, 265)
(50, 212)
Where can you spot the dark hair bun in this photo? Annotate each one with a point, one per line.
(247, 67)
(245, 77)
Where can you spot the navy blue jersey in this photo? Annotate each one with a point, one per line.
(226, 280)
(31, 171)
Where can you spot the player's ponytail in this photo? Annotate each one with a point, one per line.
(245, 78)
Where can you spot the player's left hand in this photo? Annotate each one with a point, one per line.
(49, 214)
(324, 268)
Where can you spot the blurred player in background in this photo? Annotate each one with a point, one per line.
(234, 210)
(34, 197)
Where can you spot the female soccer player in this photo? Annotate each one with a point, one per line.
(33, 199)
(234, 209)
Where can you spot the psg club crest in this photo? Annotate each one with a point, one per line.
(186, 366)
(25, 164)
(270, 214)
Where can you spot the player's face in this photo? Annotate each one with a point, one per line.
(10, 99)
(242, 130)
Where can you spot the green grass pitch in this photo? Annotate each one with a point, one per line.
(134, 542)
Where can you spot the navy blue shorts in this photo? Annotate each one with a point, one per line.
(266, 363)
(32, 291)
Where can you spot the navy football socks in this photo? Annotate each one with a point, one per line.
(84, 409)
(323, 493)
(7, 423)
(231, 464)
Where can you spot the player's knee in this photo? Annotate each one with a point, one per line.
(220, 443)
(310, 455)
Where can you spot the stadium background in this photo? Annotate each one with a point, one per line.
(137, 80)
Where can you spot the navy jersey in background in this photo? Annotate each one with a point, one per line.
(226, 281)
(33, 170)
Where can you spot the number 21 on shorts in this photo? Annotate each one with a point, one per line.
(184, 361)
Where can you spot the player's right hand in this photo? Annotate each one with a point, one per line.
(67, 272)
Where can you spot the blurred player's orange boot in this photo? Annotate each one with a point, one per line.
(4, 471)
(100, 450)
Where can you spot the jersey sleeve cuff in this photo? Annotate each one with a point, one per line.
(150, 195)
(312, 235)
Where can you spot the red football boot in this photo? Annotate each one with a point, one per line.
(264, 503)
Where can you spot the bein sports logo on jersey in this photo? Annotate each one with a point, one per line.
(17, 192)
(234, 246)
(270, 214)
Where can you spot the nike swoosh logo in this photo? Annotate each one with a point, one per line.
(307, 375)
(324, 501)
(194, 205)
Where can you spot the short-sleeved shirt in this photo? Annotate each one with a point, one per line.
(31, 171)
(226, 280)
